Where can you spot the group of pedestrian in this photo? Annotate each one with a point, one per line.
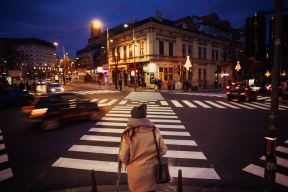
(138, 153)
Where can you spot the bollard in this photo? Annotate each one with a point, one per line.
(179, 189)
(93, 181)
(270, 163)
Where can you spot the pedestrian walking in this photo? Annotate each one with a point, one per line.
(120, 84)
(138, 151)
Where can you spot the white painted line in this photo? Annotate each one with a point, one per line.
(181, 142)
(189, 104)
(283, 106)
(149, 116)
(2, 146)
(259, 171)
(262, 98)
(115, 130)
(176, 103)
(5, 174)
(3, 158)
(280, 161)
(282, 149)
(148, 107)
(241, 105)
(112, 102)
(151, 102)
(267, 105)
(102, 101)
(153, 120)
(148, 112)
(227, 105)
(163, 102)
(215, 104)
(125, 125)
(123, 102)
(257, 106)
(202, 104)
(115, 151)
(93, 100)
(107, 166)
(131, 106)
(106, 130)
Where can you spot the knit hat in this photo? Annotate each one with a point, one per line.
(139, 112)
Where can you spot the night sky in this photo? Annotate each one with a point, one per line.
(67, 21)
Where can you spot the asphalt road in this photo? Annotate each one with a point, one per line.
(226, 141)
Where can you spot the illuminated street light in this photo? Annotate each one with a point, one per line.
(267, 74)
(96, 24)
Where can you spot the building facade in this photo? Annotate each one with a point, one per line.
(157, 48)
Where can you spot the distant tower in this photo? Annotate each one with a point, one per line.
(96, 27)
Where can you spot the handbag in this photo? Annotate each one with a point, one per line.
(161, 169)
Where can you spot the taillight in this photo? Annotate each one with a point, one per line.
(27, 109)
(246, 88)
(38, 112)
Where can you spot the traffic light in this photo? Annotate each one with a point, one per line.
(256, 36)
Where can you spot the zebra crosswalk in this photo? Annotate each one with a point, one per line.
(5, 170)
(194, 104)
(90, 92)
(282, 165)
(104, 139)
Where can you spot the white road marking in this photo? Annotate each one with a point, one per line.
(257, 106)
(148, 112)
(149, 116)
(268, 105)
(280, 161)
(3, 158)
(94, 100)
(241, 105)
(163, 102)
(259, 171)
(115, 151)
(189, 104)
(112, 102)
(202, 104)
(148, 107)
(153, 120)
(215, 104)
(227, 105)
(123, 102)
(5, 174)
(181, 142)
(282, 149)
(115, 130)
(176, 103)
(2, 146)
(102, 101)
(125, 125)
(106, 166)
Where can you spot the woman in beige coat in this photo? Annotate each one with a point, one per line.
(138, 150)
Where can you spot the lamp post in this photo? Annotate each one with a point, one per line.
(134, 54)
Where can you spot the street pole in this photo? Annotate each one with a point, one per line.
(64, 81)
(135, 76)
(271, 139)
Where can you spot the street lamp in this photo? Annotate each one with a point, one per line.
(134, 45)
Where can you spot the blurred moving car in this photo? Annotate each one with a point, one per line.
(40, 82)
(54, 109)
(260, 88)
(54, 88)
(11, 97)
(241, 92)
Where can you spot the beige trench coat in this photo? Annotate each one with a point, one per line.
(140, 156)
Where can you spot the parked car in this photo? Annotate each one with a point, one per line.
(241, 92)
(11, 97)
(54, 88)
(51, 111)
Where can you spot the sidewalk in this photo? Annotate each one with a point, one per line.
(96, 86)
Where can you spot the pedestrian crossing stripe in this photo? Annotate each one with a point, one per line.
(90, 92)
(153, 120)
(149, 116)
(115, 151)
(112, 167)
(182, 142)
(259, 171)
(5, 173)
(280, 161)
(148, 112)
(122, 105)
(125, 124)
(115, 130)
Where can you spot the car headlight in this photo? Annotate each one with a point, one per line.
(38, 112)
(62, 89)
(53, 90)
